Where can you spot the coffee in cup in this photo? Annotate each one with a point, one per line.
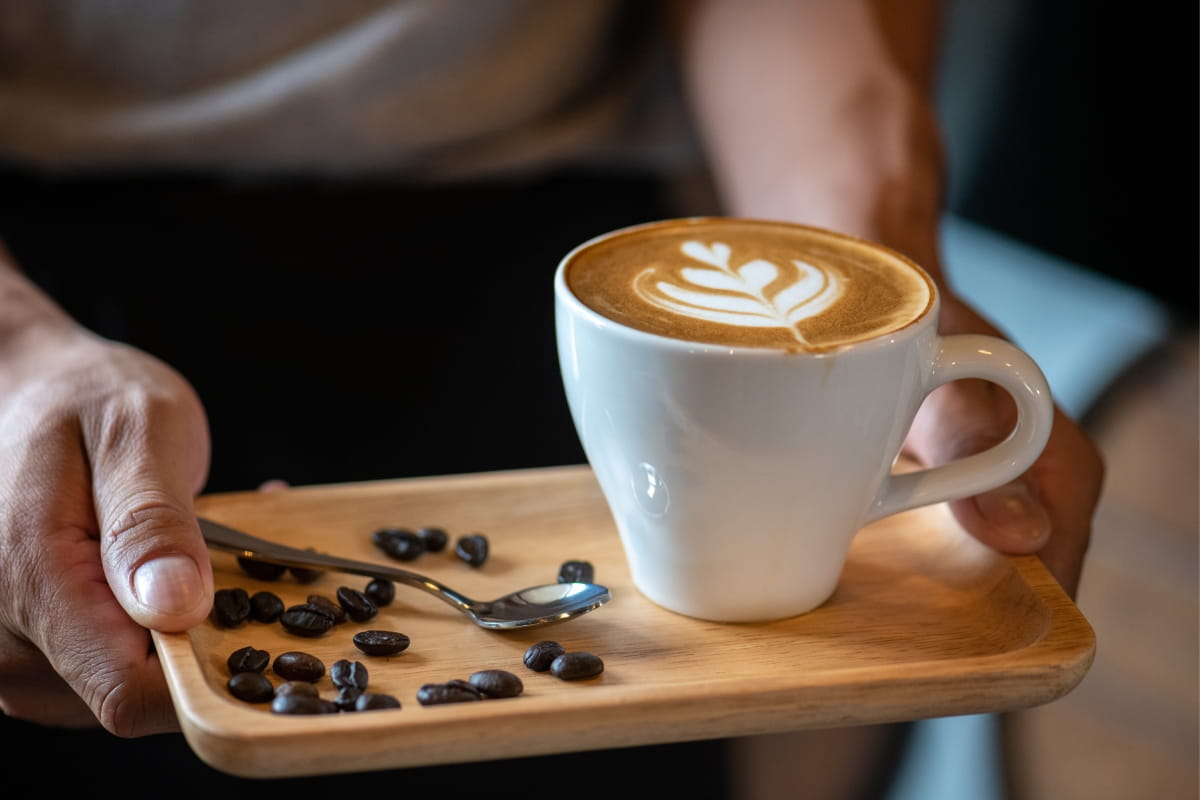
(749, 283)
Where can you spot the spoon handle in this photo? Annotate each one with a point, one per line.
(247, 546)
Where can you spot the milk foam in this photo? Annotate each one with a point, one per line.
(758, 293)
(748, 283)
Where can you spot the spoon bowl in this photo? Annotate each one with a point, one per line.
(526, 608)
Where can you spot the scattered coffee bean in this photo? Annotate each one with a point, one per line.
(265, 607)
(472, 549)
(496, 683)
(263, 570)
(380, 643)
(306, 574)
(297, 687)
(331, 607)
(453, 691)
(381, 535)
(302, 704)
(231, 607)
(345, 672)
(576, 572)
(297, 666)
(347, 698)
(247, 659)
(380, 592)
(399, 543)
(576, 665)
(541, 655)
(435, 539)
(369, 701)
(306, 620)
(253, 687)
(356, 604)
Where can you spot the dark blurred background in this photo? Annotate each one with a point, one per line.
(1079, 126)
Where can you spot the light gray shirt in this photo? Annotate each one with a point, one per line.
(425, 89)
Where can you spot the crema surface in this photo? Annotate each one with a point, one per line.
(749, 283)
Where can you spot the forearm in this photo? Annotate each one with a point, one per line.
(818, 111)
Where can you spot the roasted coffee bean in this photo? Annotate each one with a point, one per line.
(231, 607)
(297, 666)
(247, 659)
(331, 607)
(576, 665)
(472, 549)
(399, 543)
(347, 697)
(380, 643)
(381, 536)
(263, 570)
(380, 592)
(496, 683)
(541, 655)
(297, 687)
(371, 701)
(305, 574)
(356, 604)
(253, 687)
(435, 539)
(302, 704)
(265, 607)
(576, 572)
(306, 620)
(345, 672)
(453, 691)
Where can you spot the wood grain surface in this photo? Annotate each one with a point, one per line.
(926, 622)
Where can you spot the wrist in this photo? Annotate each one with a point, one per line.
(30, 322)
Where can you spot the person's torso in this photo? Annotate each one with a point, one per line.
(423, 88)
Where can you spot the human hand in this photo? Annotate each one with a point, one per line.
(1049, 509)
(104, 449)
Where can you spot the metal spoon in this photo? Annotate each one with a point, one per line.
(537, 605)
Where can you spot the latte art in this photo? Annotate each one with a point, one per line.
(748, 283)
(757, 294)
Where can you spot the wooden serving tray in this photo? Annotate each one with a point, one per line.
(926, 623)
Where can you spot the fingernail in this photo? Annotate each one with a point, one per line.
(1015, 513)
(169, 585)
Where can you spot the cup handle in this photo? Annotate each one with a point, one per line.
(992, 359)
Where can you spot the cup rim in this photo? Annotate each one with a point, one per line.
(907, 331)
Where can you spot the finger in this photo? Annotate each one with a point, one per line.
(33, 691)
(149, 455)
(102, 655)
(1069, 476)
(69, 653)
(966, 417)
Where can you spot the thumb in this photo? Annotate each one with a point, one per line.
(149, 461)
(155, 559)
(967, 417)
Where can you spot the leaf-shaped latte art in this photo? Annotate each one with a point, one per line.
(757, 294)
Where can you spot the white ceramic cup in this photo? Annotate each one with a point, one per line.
(738, 477)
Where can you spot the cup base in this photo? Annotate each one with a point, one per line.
(705, 610)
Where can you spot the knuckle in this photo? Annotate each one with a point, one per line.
(141, 516)
(104, 691)
(119, 710)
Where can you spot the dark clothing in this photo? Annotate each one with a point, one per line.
(335, 331)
